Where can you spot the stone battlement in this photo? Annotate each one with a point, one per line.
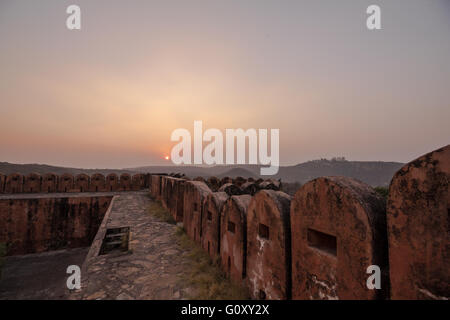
(319, 243)
(51, 183)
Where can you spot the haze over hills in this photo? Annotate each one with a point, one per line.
(374, 173)
(8, 168)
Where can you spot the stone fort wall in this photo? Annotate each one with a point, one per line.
(50, 183)
(33, 225)
(320, 243)
(317, 244)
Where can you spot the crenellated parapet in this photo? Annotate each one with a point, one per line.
(51, 183)
(336, 238)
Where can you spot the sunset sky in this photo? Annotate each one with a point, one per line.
(110, 94)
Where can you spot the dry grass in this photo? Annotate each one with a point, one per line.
(158, 211)
(205, 275)
(382, 191)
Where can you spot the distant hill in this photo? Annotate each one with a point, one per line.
(238, 172)
(8, 168)
(374, 173)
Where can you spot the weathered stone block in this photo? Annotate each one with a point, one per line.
(230, 189)
(269, 246)
(225, 180)
(211, 222)
(2, 183)
(65, 183)
(49, 183)
(418, 216)
(14, 183)
(239, 181)
(125, 182)
(270, 184)
(156, 187)
(112, 182)
(213, 183)
(138, 182)
(195, 194)
(233, 237)
(250, 188)
(98, 183)
(338, 228)
(173, 196)
(82, 182)
(32, 183)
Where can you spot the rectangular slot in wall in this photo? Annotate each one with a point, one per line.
(231, 227)
(115, 240)
(322, 241)
(263, 231)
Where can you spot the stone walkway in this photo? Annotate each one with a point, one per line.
(154, 265)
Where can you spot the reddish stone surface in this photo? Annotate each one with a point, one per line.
(233, 237)
(2, 183)
(225, 180)
(49, 183)
(81, 183)
(165, 190)
(125, 182)
(213, 183)
(65, 183)
(195, 193)
(230, 189)
(270, 184)
(112, 182)
(338, 228)
(250, 188)
(178, 192)
(138, 182)
(173, 196)
(98, 183)
(239, 181)
(168, 193)
(211, 223)
(418, 228)
(32, 183)
(269, 246)
(14, 183)
(42, 224)
(156, 187)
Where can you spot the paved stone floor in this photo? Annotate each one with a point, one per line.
(40, 275)
(153, 267)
